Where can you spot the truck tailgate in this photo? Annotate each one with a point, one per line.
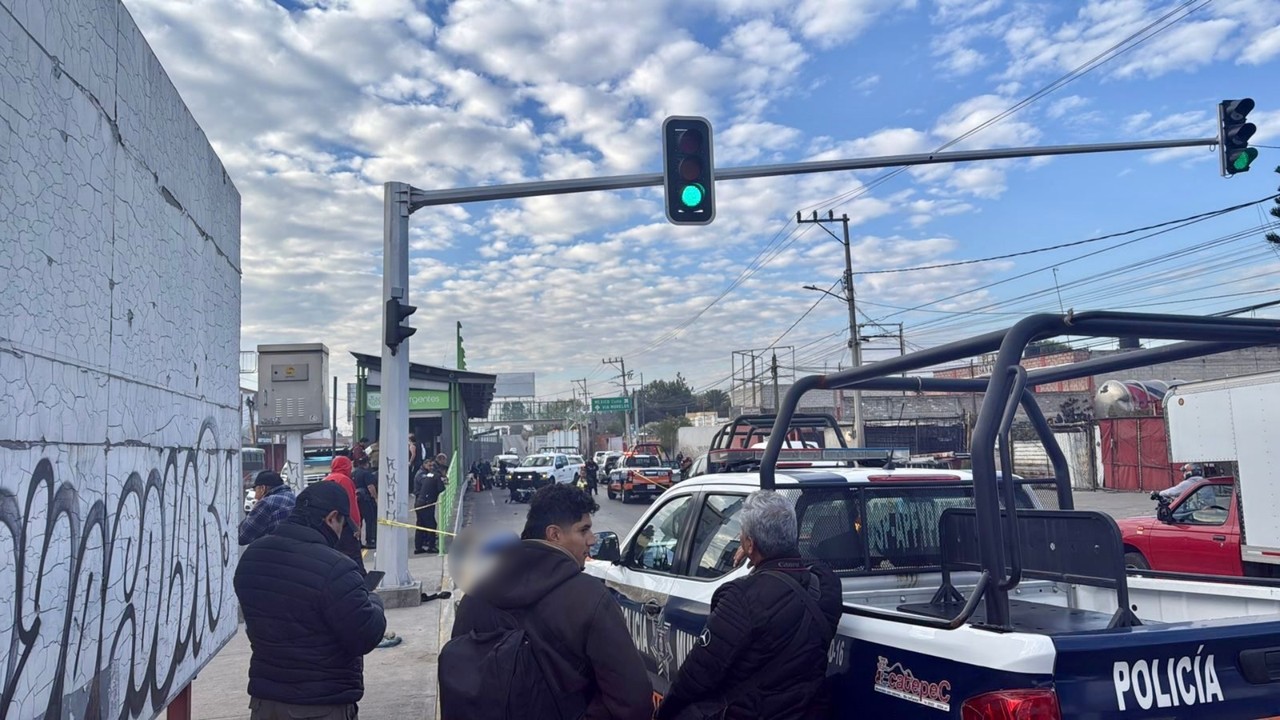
(1220, 669)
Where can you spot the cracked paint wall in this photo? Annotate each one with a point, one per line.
(119, 400)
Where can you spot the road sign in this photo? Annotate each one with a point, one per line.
(613, 404)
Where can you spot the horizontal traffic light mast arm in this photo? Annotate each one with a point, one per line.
(425, 198)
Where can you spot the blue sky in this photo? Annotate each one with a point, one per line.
(312, 104)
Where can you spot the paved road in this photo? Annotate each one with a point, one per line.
(489, 512)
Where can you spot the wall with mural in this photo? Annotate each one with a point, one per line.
(119, 339)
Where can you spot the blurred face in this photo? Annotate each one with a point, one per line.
(259, 492)
(576, 538)
(746, 551)
(335, 521)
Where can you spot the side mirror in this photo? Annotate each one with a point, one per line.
(607, 547)
(1163, 513)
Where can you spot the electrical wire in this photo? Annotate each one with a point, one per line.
(1060, 246)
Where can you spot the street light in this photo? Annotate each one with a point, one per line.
(855, 342)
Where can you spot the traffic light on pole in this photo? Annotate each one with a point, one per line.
(688, 174)
(462, 353)
(394, 330)
(1233, 136)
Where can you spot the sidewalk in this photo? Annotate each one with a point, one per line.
(399, 682)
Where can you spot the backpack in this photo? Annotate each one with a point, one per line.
(495, 675)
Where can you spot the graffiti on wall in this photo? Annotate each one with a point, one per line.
(118, 597)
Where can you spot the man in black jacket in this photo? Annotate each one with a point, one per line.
(427, 487)
(577, 628)
(366, 482)
(309, 617)
(764, 652)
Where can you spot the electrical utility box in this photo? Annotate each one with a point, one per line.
(291, 387)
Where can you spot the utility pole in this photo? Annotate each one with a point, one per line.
(900, 335)
(621, 364)
(774, 369)
(855, 342)
(591, 417)
(636, 404)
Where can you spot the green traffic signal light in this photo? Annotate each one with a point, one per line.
(688, 176)
(691, 195)
(1234, 132)
(1242, 161)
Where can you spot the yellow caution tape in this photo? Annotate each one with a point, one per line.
(423, 507)
(407, 526)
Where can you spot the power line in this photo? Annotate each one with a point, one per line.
(1086, 241)
(1162, 231)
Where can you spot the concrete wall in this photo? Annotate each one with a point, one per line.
(119, 339)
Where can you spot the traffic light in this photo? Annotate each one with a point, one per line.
(688, 174)
(1234, 152)
(462, 353)
(394, 330)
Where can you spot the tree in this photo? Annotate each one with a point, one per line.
(662, 399)
(1046, 347)
(513, 411)
(714, 400)
(667, 431)
(1272, 237)
(561, 409)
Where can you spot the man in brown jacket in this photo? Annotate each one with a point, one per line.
(577, 629)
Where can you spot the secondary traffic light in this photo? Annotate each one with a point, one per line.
(688, 173)
(462, 353)
(1234, 132)
(394, 330)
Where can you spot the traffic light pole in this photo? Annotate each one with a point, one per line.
(454, 196)
(401, 200)
(392, 555)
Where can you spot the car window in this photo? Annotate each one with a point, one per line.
(656, 547)
(831, 529)
(878, 527)
(1206, 506)
(715, 540)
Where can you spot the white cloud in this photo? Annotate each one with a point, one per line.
(952, 11)
(747, 142)
(970, 114)
(1068, 105)
(866, 84)
(1264, 47)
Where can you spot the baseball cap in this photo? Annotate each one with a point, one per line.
(268, 478)
(326, 497)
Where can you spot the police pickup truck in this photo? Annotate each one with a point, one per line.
(970, 594)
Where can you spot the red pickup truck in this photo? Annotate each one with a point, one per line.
(1196, 529)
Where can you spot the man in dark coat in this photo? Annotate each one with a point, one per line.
(764, 651)
(592, 471)
(427, 488)
(309, 617)
(366, 482)
(274, 503)
(577, 628)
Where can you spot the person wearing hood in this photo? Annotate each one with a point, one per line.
(576, 628)
(349, 541)
(309, 617)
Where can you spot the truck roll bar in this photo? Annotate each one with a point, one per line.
(1006, 388)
